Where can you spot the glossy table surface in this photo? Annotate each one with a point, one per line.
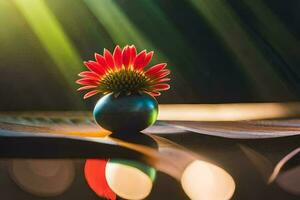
(57, 155)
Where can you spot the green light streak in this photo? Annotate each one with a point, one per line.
(117, 24)
(155, 15)
(275, 32)
(226, 23)
(51, 35)
(81, 24)
(165, 27)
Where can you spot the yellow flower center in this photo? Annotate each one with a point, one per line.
(124, 80)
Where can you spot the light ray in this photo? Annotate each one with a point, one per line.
(226, 23)
(117, 24)
(51, 35)
(275, 32)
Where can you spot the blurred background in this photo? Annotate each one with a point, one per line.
(219, 51)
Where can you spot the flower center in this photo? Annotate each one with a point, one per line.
(124, 80)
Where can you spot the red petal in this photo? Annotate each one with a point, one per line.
(148, 57)
(162, 80)
(159, 75)
(126, 56)
(132, 54)
(94, 172)
(139, 61)
(154, 93)
(162, 86)
(101, 61)
(86, 87)
(155, 69)
(91, 93)
(88, 74)
(118, 57)
(109, 59)
(95, 67)
(87, 81)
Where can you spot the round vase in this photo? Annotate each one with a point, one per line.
(133, 112)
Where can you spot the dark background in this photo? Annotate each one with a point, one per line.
(219, 51)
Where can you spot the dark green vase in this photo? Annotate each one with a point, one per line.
(126, 113)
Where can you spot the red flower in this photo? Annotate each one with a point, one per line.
(94, 172)
(123, 72)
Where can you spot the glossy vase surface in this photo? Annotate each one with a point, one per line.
(133, 112)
